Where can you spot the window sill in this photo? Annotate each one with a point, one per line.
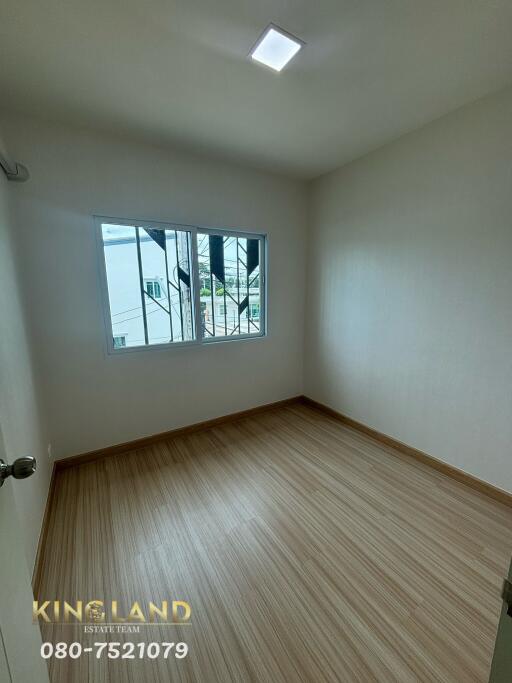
(175, 346)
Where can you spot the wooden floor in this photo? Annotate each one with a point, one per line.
(308, 552)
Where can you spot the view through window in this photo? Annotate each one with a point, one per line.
(229, 273)
(169, 284)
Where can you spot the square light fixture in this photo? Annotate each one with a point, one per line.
(275, 47)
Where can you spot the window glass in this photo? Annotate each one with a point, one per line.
(149, 288)
(229, 271)
(157, 276)
(122, 269)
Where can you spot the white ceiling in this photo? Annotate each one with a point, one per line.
(177, 71)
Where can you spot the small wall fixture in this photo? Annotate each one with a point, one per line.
(275, 47)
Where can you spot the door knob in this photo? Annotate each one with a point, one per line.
(20, 468)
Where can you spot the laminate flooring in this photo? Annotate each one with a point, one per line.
(306, 550)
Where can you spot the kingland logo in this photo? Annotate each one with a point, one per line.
(101, 614)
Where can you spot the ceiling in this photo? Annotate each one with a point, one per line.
(176, 71)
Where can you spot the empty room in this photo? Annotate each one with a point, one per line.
(256, 341)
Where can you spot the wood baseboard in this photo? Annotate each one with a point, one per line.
(162, 436)
(468, 479)
(36, 575)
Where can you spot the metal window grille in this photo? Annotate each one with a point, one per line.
(168, 284)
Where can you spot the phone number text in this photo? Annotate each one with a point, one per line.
(115, 650)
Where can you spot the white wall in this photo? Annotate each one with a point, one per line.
(20, 419)
(409, 312)
(94, 400)
(409, 315)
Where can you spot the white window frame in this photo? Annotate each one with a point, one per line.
(194, 282)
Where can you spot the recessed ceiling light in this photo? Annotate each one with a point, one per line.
(275, 47)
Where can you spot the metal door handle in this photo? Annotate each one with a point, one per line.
(20, 468)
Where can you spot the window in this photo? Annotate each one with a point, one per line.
(255, 311)
(168, 284)
(153, 289)
(119, 341)
(230, 265)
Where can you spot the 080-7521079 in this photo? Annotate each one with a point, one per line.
(113, 650)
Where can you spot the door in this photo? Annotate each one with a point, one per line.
(20, 640)
(501, 670)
